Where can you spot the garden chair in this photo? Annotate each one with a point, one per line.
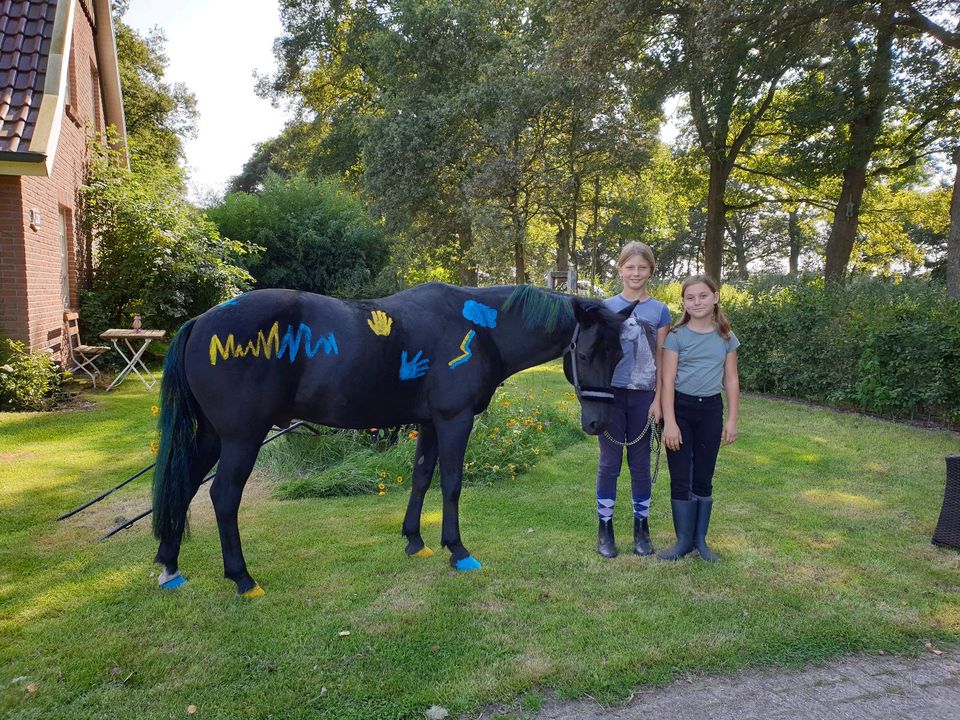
(81, 356)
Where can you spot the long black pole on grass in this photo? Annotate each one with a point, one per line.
(129, 523)
(100, 497)
(133, 477)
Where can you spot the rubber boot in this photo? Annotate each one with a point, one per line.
(684, 521)
(704, 506)
(605, 543)
(641, 537)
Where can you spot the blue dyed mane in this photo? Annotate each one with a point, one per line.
(540, 308)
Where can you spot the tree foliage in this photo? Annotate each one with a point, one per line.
(312, 235)
(155, 254)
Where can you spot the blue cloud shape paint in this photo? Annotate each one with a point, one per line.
(480, 314)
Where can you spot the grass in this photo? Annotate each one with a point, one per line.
(823, 522)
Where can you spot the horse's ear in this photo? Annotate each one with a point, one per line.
(628, 310)
(585, 311)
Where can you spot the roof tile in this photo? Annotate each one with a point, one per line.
(26, 29)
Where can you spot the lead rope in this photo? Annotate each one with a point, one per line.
(656, 441)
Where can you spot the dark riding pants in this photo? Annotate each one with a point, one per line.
(628, 417)
(701, 425)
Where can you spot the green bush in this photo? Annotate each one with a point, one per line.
(315, 236)
(888, 347)
(155, 254)
(28, 380)
(513, 434)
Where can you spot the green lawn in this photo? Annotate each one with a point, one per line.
(823, 522)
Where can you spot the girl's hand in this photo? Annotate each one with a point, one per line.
(729, 431)
(656, 410)
(671, 436)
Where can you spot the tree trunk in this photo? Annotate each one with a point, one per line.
(864, 129)
(520, 270)
(793, 232)
(953, 237)
(469, 277)
(716, 221)
(563, 248)
(738, 235)
(845, 220)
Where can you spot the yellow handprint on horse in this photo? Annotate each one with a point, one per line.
(380, 323)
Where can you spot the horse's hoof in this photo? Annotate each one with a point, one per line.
(171, 582)
(416, 548)
(255, 592)
(468, 563)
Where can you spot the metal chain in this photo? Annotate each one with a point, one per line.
(656, 441)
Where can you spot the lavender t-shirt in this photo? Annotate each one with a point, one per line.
(637, 370)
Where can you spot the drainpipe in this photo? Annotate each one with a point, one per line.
(109, 74)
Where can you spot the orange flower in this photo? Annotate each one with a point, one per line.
(413, 434)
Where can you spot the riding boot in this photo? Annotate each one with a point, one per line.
(605, 543)
(641, 537)
(704, 506)
(684, 521)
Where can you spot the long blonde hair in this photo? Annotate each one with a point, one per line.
(720, 321)
(637, 248)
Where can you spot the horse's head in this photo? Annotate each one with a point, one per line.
(592, 358)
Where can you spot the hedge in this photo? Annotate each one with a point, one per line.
(888, 347)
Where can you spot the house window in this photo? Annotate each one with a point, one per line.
(95, 114)
(65, 238)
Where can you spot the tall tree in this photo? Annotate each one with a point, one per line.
(159, 115)
(953, 239)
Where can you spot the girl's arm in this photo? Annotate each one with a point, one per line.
(671, 431)
(656, 408)
(731, 383)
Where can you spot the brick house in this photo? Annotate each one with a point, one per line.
(59, 81)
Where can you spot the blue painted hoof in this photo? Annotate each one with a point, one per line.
(468, 563)
(174, 582)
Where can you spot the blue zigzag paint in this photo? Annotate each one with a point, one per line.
(292, 342)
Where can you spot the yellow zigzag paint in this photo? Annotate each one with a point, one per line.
(465, 348)
(272, 344)
(225, 351)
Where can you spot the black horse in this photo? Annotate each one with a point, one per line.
(432, 355)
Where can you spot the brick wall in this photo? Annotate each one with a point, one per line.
(42, 249)
(13, 278)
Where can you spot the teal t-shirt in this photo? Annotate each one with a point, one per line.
(702, 355)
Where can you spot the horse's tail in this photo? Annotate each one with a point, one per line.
(178, 426)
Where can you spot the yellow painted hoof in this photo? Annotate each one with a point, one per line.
(423, 552)
(255, 592)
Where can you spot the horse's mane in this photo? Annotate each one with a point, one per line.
(540, 308)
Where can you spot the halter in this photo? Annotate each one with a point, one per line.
(585, 392)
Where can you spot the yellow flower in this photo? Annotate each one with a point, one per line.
(381, 487)
(154, 446)
(496, 468)
(155, 410)
(381, 493)
(413, 434)
(399, 479)
(540, 428)
(382, 474)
